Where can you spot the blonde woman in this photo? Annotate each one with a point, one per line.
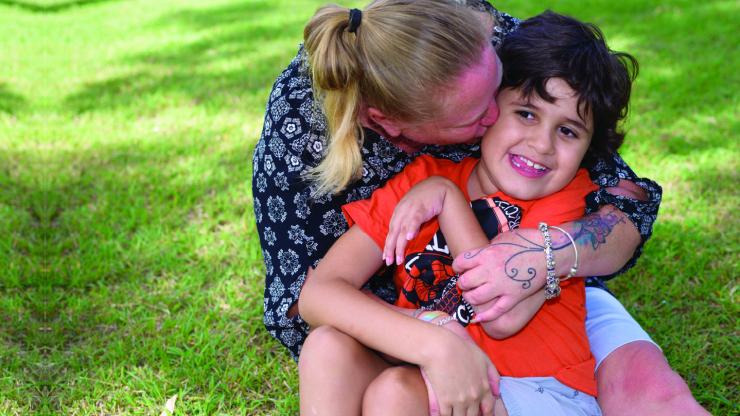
(369, 91)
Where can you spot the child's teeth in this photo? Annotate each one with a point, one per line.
(522, 159)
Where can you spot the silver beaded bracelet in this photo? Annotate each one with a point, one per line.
(552, 283)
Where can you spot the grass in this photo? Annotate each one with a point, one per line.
(130, 271)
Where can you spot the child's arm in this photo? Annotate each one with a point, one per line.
(332, 297)
(440, 196)
(435, 317)
(426, 200)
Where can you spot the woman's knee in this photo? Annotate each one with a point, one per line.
(640, 368)
(397, 390)
(637, 379)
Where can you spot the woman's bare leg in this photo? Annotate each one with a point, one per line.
(334, 371)
(636, 379)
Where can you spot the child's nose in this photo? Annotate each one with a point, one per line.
(541, 142)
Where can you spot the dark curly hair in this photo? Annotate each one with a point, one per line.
(551, 45)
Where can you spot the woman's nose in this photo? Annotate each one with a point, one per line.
(491, 115)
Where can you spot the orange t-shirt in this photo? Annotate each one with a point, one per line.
(554, 342)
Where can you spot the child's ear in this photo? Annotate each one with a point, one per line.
(391, 126)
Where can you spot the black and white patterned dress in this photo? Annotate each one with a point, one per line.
(296, 230)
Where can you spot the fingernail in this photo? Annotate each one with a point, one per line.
(409, 235)
(388, 260)
(399, 260)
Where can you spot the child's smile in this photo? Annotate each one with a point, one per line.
(527, 167)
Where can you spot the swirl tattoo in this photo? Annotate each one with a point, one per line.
(512, 272)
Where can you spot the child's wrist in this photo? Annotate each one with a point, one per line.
(438, 318)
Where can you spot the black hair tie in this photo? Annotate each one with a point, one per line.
(355, 18)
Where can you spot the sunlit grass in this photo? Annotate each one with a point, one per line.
(131, 271)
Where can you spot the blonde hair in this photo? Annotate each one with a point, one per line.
(402, 51)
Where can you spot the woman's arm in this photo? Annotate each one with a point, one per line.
(457, 369)
(492, 275)
(638, 199)
(281, 205)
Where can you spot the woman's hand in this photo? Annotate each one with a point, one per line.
(497, 277)
(459, 374)
(421, 203)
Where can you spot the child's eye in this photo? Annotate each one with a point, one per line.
(568, 132)
(527, 115)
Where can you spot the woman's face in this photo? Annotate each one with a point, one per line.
(468, 109)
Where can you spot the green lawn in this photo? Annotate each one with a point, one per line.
(130, 270)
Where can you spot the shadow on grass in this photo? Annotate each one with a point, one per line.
(251, 48)
(10, 102)
(53, 7)
(23, 283)
(149, 234)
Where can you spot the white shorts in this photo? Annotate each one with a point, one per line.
(527, 396)
(608, 325)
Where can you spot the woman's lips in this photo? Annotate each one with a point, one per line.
(526, 167)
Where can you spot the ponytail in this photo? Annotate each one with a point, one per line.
(335, 72)
(390, 56)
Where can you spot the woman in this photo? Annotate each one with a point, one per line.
(297, 199)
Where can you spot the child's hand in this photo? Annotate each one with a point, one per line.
(420, 204)
(457, 329)
(461, 380)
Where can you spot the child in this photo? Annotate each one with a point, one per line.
(562, 95)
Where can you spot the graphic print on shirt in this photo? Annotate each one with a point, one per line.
(431, 283)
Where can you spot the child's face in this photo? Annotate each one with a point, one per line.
(535, 147)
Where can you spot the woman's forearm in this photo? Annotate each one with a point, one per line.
(605, 240)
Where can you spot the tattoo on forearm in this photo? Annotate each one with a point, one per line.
(594, 228)
(527, 246)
